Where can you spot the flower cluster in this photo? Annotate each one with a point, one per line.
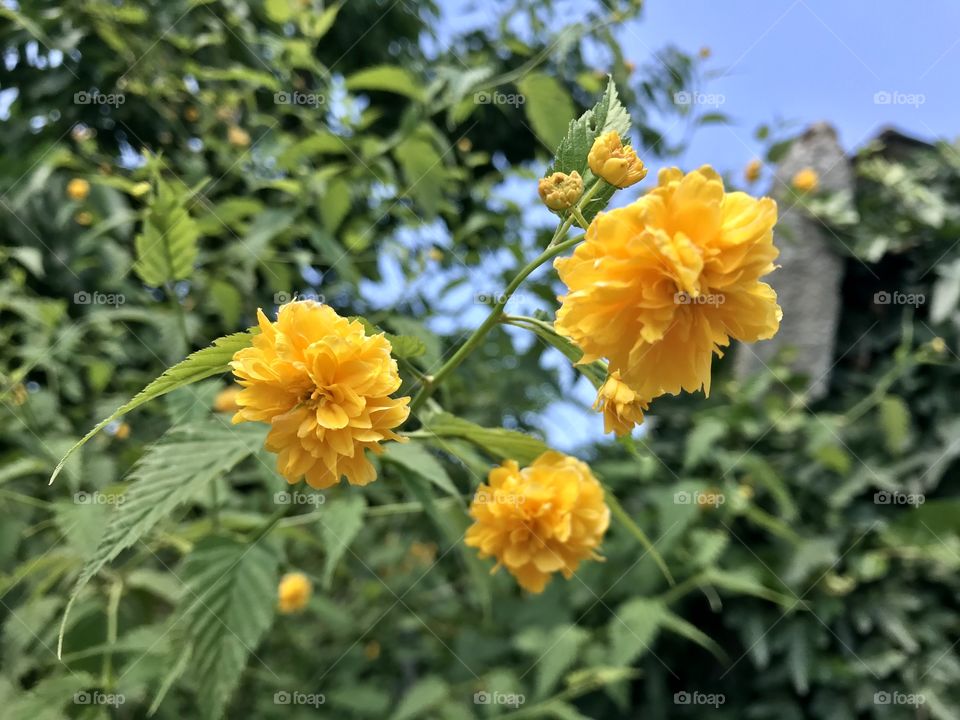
(324, 386)
(546, 517)
(660, 286)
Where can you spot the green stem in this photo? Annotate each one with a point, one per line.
(431, 383)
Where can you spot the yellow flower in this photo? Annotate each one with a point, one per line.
(622, 408)
(78, 189)
(752, 171)
(139, 189)
(83, 218)
(616, 163)
(660, 285)
(294, 592)
(546, 517)
(324, 387)
(939, 345)
(226, 399)
(560, 191)
(238, 136)
(806, 180)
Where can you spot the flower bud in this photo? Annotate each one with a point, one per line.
(615, 162)
(806, 180)
(78, 189)
(752, 171)
(560, 191)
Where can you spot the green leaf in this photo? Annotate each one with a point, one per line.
(389, 78)
(212, 360)
(167, 246)
(316, 26)
(422, 697)
(681, 627)
(335, 204)
(499, 442)
(554, 652)
(340, 523)
(595, 372)
(227, 607)
(406, 346)
(548, 107)
(895, 420)
(168, 474)
(633, 629)
(280, 11)
(416, 458)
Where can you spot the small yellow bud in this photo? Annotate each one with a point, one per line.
(122, 432)
(630, 67)
(705, 52)
(464, 145)
(19, 393)
(745, 491)
(806, 180)
(78, 189)
(191, 114)
(140, 189)
(938, 345)
(83, 218)
(560, 191)
(238, 136)
(226, 399)
(615, 162)
(752, 171)
(435, 254)
(371, 650)
(294, 592)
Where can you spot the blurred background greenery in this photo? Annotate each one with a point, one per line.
(352, 152)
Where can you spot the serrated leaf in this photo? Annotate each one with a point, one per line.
(169, 473)
(548, 107)
(423, 696)
(167, 246)
(499, 442)
(406, 346)
(555, 652)
(228, 605)
(202, 364)
(633, 629)
(341, 521)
